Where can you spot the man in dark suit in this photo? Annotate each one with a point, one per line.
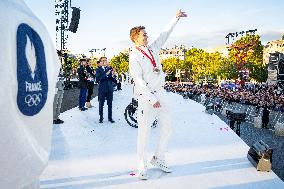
(265, 117)
(83, 84)
(104, 76)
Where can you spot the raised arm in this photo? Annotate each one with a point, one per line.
(160, 41)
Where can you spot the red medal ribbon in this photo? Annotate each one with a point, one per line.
(152, 60)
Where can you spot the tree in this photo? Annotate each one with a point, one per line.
(227, 70)
(120, 63)
(69, 65)
(247, 53)
(259, 72)
(169, 67)
(195, 61)
(204, 65)
(199, 65)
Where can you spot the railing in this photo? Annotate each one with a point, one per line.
(250, 110)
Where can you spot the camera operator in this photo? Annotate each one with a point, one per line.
(91, 80)
(83, 84)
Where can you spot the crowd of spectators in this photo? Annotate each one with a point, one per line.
(260, 95)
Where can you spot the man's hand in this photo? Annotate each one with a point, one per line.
(108, 72)
(157, 105)
(181, 14)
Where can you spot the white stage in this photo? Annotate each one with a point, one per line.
(204, 152)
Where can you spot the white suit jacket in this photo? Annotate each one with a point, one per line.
(147, 83)
(28, 71)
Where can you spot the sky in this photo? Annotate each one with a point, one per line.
(106, 24)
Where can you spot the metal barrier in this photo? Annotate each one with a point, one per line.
(250, 110)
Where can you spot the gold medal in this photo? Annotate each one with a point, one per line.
(156, 70)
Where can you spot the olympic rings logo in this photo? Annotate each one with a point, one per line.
(33, 100)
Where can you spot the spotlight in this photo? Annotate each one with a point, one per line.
(260, 155)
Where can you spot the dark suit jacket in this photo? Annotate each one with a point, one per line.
(265, 115)
(90, 71)
(83, 78)
(105, 81)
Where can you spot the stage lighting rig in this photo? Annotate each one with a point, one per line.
(62, 22)
(234, 35)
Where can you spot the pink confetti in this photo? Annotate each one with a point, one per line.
(225, 128)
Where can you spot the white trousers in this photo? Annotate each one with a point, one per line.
(145, 117)
(57, 104)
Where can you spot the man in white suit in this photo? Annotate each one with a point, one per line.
(146, 70)
(28, 72)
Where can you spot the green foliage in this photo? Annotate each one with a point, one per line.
(227, 70)
(198, 64)
(259, 72)
(247, 53)
(94, 63)
(120, 63)
(202, 65)
(70, 66)
(169, 67)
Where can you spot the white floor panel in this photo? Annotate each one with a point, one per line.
(204, 152)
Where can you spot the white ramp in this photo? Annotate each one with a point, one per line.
(204, 152)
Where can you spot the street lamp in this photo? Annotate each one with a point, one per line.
(91, 51)
(186, 70)
(236, 34)
(104, 50)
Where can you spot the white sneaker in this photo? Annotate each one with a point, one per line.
(161, 164)
(143, 175)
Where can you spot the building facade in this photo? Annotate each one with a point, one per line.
(272, 47)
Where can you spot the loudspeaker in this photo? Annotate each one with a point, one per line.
(236, 115)
(74, 20)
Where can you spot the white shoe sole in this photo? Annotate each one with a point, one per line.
(143, 176)
(165, 169)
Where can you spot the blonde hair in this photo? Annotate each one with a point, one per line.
(135, 31)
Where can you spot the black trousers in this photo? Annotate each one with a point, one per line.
(265, 123)
(102, 97)
(90, 91)
(118, 86)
